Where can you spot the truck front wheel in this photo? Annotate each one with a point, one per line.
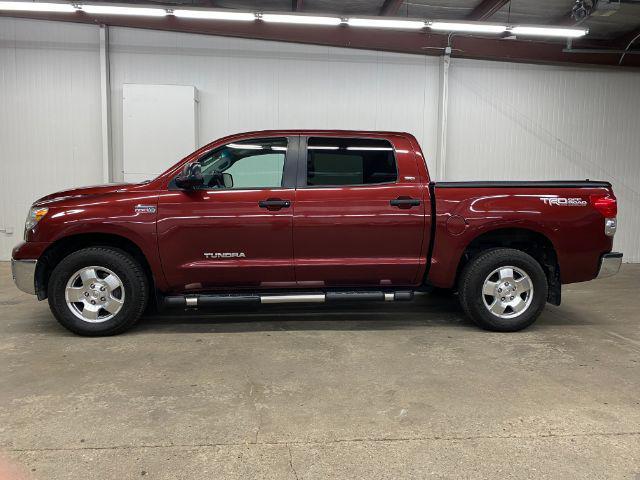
(503, 290)
(98, 291)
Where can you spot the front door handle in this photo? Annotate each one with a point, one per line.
(405, 202)
(274, 204)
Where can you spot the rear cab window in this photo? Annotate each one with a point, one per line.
(335, 161)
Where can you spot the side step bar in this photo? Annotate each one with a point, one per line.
(196, 301)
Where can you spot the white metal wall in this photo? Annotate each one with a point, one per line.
(530, 122)
(49, 115)
(252, 85)
(506, 121)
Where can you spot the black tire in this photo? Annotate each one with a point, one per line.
(131, 274)
(473, 300)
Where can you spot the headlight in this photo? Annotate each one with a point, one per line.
(35, 215)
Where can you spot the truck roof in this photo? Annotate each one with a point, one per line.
(324, 131)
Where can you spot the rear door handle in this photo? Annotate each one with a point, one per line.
(405, 202)
(274, 204)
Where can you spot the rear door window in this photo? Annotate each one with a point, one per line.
(335, 161)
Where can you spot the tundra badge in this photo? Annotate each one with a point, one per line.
(225, 255)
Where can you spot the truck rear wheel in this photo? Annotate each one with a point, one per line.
(98, 291)
(503, 290)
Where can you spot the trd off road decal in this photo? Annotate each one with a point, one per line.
(564, 202)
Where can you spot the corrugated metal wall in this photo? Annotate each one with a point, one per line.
(252, 85)
(506, 121)
(49, 115)
(529, 122)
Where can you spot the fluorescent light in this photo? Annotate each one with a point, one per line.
(215, 15)
(301, 19)
(380, 23)
(549, 31)
(114, 10)
(283, 149)
(245, 146)
(322, 148)
(37, 7)
(468, 27)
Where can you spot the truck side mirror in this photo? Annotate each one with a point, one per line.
(227, 180)
(221, 180)
(191, 177)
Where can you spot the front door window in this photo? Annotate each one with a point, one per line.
(248, 164)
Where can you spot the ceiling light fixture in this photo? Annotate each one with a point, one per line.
(549, 31)
(300, 19)
(381, 23)
(114, 10)
(470, 27)
(37, 7)
(467, 27)
(215, 15)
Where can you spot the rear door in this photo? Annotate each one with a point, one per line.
(359, 216)
(237, 230)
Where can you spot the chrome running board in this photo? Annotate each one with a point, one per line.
(206, 300)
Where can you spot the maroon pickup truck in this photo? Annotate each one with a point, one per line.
(312, 216)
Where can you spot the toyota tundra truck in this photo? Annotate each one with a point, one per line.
(312, 216)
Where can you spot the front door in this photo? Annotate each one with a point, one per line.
(359, 215)
(236, 231)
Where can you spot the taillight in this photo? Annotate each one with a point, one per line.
(607, 205)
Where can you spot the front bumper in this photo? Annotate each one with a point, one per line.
(24, 275)
(609, 264)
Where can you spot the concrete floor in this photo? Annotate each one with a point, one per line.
(370, 391)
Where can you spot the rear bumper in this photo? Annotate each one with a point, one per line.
(609, 264)
(24, 275)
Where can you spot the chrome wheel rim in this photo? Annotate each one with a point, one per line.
(507, 292)
(94, 294)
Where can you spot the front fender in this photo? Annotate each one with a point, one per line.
(118, 215)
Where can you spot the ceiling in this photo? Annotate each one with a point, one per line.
(612, 24)
(623, 20)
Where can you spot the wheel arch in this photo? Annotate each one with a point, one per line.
(529, 241)
(66, 245)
